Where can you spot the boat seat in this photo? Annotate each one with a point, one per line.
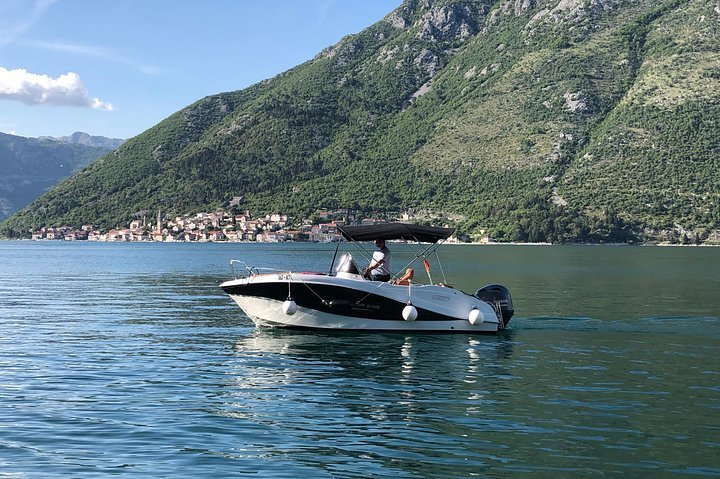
(404, 280)
(347, 268)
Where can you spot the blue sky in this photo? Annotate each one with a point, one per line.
(117, 67)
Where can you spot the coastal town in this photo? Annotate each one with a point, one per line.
(223, 226)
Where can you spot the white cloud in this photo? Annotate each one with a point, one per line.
(34, 89)
(16, 17)
(106, 54)
(322, 13)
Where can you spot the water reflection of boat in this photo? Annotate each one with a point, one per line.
(345, 299)
(389, 356)
(368, 389)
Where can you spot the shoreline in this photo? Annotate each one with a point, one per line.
(649, 244)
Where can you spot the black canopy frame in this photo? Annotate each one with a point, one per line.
(396, 231)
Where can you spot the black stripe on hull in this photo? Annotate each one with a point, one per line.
(336, 300)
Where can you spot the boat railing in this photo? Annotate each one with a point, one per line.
(249, 270)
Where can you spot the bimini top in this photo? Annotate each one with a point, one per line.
(392, 231)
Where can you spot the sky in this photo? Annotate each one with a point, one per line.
(115, 68)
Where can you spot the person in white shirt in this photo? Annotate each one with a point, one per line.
(380, 268)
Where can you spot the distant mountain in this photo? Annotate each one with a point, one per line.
(31, 166)
(528, 120)
(82, 138)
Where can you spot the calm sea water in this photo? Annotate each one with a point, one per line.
(127, 359)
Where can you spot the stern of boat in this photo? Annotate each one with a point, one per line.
(499, 297)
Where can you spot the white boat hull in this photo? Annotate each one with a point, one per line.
(364, 305)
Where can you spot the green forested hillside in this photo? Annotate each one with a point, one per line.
(531, 120)
(31, 166)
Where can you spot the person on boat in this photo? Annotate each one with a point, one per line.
(404, 280)
(380, 268)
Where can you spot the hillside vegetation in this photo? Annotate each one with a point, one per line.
(528, 120)
(31, 166)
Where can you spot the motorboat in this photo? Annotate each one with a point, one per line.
(344, 299)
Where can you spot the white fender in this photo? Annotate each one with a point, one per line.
(289, 307)
(475, 316)
(409, 312)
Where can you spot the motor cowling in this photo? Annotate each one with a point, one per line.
(498, 294)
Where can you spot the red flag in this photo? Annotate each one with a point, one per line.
(427, 265)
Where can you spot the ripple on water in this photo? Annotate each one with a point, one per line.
(135, 365)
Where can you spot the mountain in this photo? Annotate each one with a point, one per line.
(30, 166)
(528, 120)
(82, 138)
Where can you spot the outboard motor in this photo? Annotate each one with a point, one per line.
(497, 294)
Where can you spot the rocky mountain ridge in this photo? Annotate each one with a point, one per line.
(31, 166)
(82, 138)
(530, 120)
